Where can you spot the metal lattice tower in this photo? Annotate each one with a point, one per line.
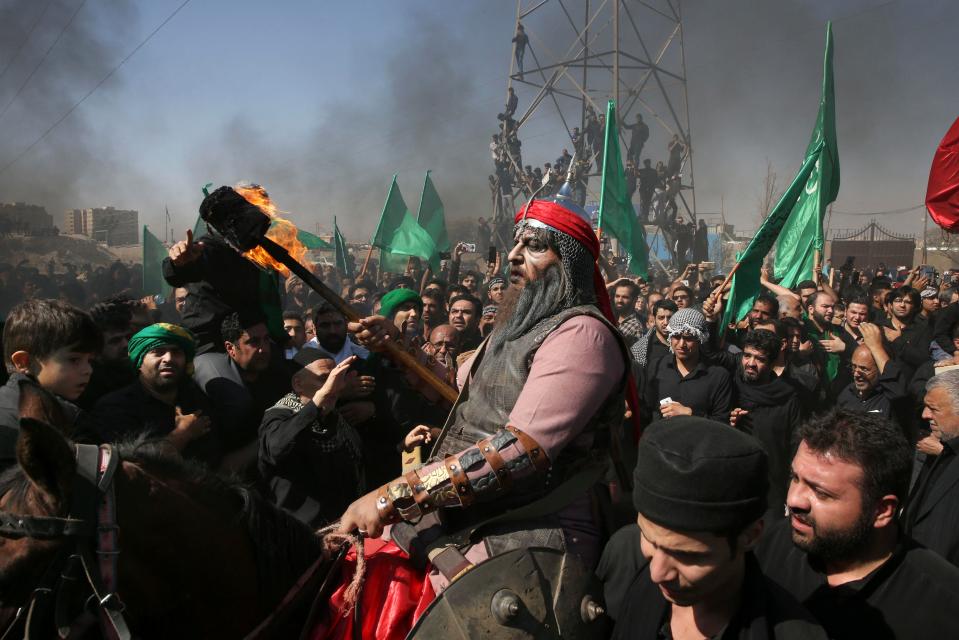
(629, 50)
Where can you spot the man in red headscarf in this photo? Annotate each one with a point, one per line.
(526, 441)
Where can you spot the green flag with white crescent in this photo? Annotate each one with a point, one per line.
(802, 235)
(746, 286)
(617, 216)
(796, 220)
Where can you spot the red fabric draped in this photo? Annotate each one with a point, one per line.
(942, 194)
(565, 221)
(394, 595)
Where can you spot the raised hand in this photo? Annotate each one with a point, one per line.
(185, 251)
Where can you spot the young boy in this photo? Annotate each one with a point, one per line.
(53, 343)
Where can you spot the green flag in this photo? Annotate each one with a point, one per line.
(410, 239)
(340, 254)
(616, 213)
(802, 235)
(394, 211)
(311, 241)
(398, 235)
(746, 284)
(431, 217)
(153, 254)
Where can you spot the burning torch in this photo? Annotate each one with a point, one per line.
(244, 225)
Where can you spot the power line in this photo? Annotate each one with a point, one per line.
(95, 87)
(25, 40)
(42, 60)
(879, 213)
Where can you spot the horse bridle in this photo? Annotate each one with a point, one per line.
(91, 561)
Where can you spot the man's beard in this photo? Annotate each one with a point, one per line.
(162, 385)
(752, 377)
(832, 545)
(522, 309)
(333, 344)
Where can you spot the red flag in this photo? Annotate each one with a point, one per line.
(942, 195)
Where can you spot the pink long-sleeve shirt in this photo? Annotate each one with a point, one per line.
(573, 373)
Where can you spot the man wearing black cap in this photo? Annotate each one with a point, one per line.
(309, 456)
(700, 490)
(842, 553)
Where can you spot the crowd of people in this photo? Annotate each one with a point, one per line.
(658, 186)
(795, 472)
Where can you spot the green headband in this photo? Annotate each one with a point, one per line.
(159, 335)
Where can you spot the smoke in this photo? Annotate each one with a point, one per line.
(430, 79)
(71, 166)
(429, 115)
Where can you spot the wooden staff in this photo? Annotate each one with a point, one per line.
(395, 351)
(366, 263)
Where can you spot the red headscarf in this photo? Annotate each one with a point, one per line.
(565, 221)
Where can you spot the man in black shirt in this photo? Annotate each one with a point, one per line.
(309, 456)
(700, 490)
(648, 181)
(686, 384)
(623, 298)
(521, 40)
(766, 407)
(163, 402)
(932, 514)
(220, 281)
(654, 344)
(639, 134)
(842, 553)
(243, 382)
(878, 385)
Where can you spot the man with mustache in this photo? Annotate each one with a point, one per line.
(766, 407)
(932, 515)
(684, 383)
(842, 553)
(164, 402)
(700, 490)
(530, 416)
(878, 385)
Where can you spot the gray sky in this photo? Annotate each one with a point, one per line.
(322, 102)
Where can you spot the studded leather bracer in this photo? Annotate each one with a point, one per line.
(483, 472)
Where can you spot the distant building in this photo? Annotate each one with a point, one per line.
(25, 219)
(115, 227)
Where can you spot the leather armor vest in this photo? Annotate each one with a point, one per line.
(485, 405)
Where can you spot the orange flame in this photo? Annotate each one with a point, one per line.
(282, 231)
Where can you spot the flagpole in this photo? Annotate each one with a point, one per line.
(366, 262)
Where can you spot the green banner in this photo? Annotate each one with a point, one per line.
(617, 216)
(802, 235)
(431, 216)
(153, 254)
(341, 256)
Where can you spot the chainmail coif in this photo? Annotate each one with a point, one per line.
(577, 263)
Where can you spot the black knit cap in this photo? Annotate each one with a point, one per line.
(694, 474)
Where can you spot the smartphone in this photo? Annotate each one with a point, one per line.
(470, 247)
(491, 258)
(665, 401)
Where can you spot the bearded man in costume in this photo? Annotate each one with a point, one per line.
(527, 442)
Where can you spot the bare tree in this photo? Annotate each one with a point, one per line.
(769, 193)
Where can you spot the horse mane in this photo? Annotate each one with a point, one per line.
(284, 547)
